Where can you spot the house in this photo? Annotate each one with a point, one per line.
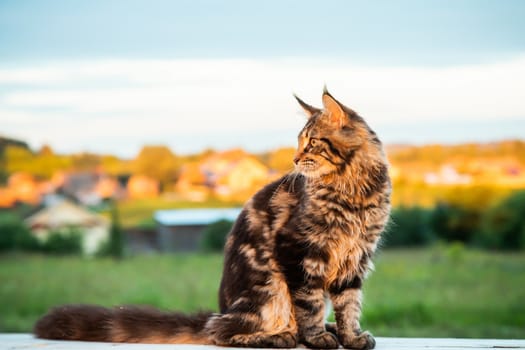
(88, 187)
(192, 183)
(243, 179)
(108, 187)
(447, 175)
(24, 188)
(142, 186)
(64, 214)
(182, 229)
(81, 187)
(7, 197)
(230, 175)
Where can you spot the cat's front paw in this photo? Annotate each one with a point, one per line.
(361, 341)
(324, 340)
(281, 340)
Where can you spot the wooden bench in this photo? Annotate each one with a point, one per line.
(27, 341)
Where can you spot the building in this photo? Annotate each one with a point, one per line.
(182, 229)
(230, 175)
(447, 175)
(24, 188)
(90, 187)
(61, 215)
(142, 186)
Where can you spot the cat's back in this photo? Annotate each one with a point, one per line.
(281, 194)
(271, 207)
(249, 250)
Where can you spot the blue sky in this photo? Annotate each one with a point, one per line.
(382, 32)
(110, 76)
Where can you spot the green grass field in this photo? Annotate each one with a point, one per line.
(435, 292)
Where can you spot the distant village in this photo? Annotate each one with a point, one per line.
(234, 175)
(499, 164)
(76, 184)
(73, 196)
(228, 175)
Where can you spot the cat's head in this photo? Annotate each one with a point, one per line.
(332, 136)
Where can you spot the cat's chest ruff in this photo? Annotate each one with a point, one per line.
(336, 225)
(341, 254)
(336, 216)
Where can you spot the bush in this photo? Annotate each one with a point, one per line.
(114, 246)
(214, 235)
(116, 239)
(67, 241)
(408, 227)
(14, 235)
(503, 226)
(26, 241)
(453, 223)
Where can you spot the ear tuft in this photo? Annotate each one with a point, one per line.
(310, 110)
(336, 113)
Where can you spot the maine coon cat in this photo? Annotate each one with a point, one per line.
(306, 237)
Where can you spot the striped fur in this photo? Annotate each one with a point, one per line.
(309, 235)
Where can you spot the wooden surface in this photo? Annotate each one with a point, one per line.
(27, 341)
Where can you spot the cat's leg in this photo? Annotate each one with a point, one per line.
(244, 330)
(260, 318)
(309, 312)
(285, 340)
(346, 299)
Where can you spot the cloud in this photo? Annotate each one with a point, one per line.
(133, 101)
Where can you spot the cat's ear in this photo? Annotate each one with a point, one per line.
(310, 110)
(336, 111)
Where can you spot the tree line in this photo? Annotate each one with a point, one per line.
(497, 227)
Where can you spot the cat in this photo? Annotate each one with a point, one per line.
(305, 237)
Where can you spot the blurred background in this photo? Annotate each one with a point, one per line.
(132, 132)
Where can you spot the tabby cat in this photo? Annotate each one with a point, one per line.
(306, 237)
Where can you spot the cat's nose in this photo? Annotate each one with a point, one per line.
(297, 156)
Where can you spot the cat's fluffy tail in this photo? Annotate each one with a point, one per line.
(129, 324)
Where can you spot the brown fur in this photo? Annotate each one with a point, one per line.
(309, 235)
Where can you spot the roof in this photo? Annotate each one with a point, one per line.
(179, 217)
(65, 213)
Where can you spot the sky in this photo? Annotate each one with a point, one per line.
(110, 76)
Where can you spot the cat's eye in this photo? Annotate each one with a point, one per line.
(314, 142)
